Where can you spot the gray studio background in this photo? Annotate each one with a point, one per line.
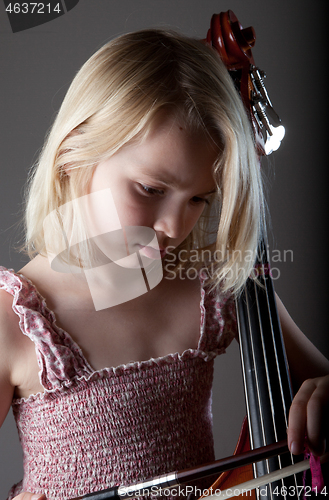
(37, 66)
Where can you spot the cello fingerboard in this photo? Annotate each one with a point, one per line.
(265, 375)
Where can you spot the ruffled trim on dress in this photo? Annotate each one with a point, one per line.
(61, 360)
(124, 369)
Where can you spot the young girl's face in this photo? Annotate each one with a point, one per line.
(163, 182)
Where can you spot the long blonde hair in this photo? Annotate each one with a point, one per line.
(114, 99)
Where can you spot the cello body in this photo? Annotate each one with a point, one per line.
(230, 479)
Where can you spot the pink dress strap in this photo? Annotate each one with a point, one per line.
(59, 358)
(218, 321)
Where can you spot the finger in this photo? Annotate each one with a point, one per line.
(298, 416)
(316, 420)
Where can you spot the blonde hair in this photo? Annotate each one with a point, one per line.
(114, 99)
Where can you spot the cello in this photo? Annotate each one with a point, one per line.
(265, 369)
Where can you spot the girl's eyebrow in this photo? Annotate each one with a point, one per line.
(166, 179)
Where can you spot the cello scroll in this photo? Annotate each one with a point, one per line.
(234, 43)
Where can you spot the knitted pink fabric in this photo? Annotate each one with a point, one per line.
(90, 430)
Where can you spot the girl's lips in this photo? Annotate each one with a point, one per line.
(152, 253)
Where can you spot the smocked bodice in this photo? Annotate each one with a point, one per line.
(91, 429)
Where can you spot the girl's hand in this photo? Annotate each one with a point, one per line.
(309, 416)
(30, 496)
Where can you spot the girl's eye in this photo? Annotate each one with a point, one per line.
(198, 200)
(150, 190)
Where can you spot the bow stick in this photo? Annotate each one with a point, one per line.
(242, 488)
(174, 479)
(168, 481)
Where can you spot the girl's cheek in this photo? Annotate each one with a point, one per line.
(129, 212)
(101, 213)
(195, 218)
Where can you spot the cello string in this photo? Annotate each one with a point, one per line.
(259, 405)
(244, 357)
(279, 370)
(244, 376)
(274, 342)
(268, 312)
(256, 372)
(268, 381)
(264, 313)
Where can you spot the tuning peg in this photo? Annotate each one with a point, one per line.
(273, 140)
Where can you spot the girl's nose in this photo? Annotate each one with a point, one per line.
(171, 223)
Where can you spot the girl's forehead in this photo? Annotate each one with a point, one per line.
(168, 133)
(173, 140)
(171, 154)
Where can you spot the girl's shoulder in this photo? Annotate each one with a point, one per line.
(9, 322)
(8, 336)
(12, 348)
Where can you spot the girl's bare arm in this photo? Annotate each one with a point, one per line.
(7, 341)
(310, 375)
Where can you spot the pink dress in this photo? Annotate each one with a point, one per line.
(90, 430)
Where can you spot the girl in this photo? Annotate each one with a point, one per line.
(106, 355)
